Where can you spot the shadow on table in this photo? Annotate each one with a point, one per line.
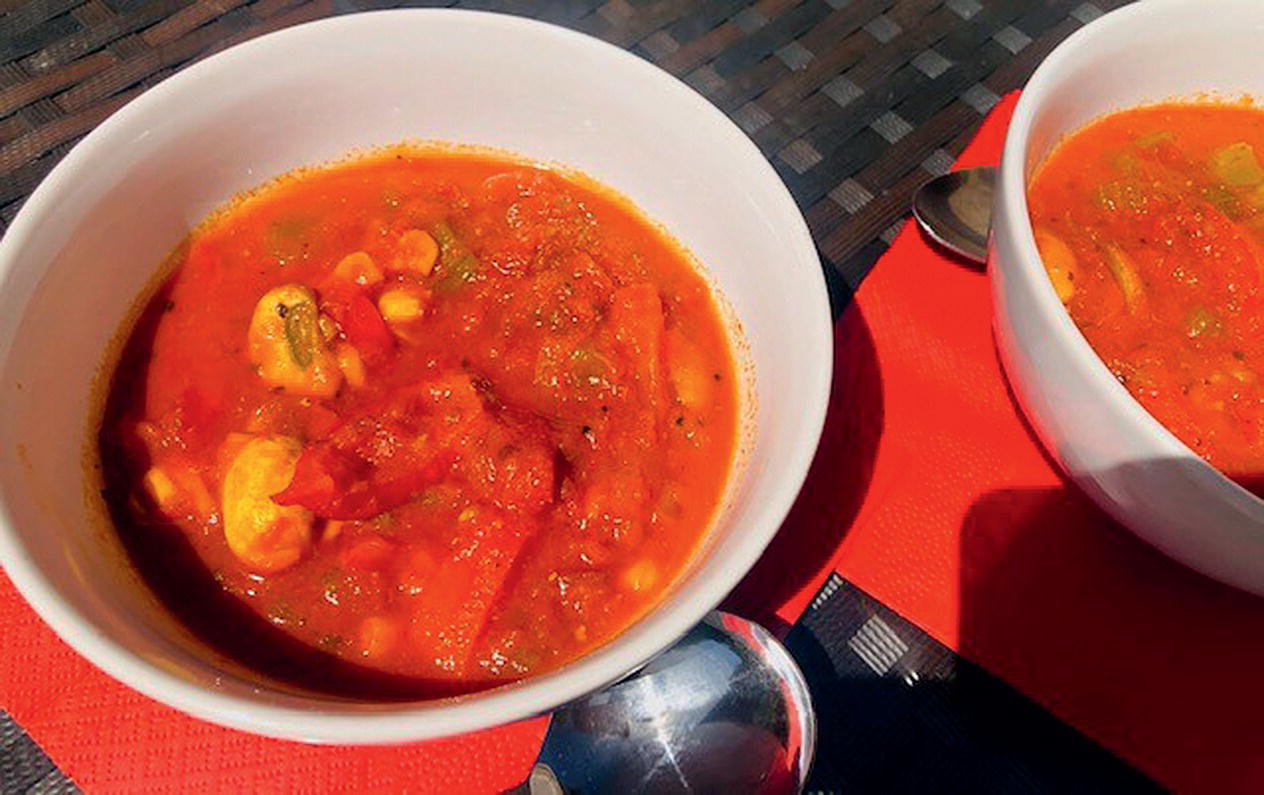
(915, 718)
(1155, 661)
(836, 484)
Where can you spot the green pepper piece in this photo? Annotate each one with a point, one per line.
(1235, 165)
(302, 332)
(457, 263)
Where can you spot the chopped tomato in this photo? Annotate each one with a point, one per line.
(370, 553)
(456, 601)
(360, 322)
(366, 468)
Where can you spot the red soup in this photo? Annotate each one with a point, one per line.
(1151, 225)
(419, 423)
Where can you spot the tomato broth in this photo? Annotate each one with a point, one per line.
(1150, 223)
(420, 423)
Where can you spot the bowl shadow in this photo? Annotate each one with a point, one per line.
(1151, 659)
(836, 484)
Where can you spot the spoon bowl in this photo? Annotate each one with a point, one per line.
(724, 710)
(955, 210)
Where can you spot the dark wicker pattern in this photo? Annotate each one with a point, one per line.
(855, 102)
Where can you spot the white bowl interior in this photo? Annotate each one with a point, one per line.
(1149, 52)
(91, 237)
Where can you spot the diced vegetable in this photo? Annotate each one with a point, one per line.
(328, 327)
(403, 304)
(1059, 261)
(1153, 139)
(519, 477)
(1223, 199)
(265, 536)
(364, 469)
(415, 575)
(1125, 163)
(286, 345)
(457, 264)
(371, 553)
(378, 636)
(640, 576)
(286, 238)
(1202, 322)
(687, 369)
(403, 308)
(636, 315)
(194, 491)
(361, 324)
(589, 366)
(1124, 195)
(351, 364)
(333, 529)
(1236, 165)
(459, 592)
(160, 487)
(1126, 276)
(416, 251)
(1255, 197)
(302, 332)
(620, 496)
(358, 268)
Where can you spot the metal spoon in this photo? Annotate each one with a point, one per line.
(724, 710)
(956, 211)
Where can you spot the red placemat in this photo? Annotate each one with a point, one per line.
(935, 498)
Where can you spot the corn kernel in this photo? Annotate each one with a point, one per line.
(377, 636)
(1059, 262)
(400, 305)
(192, 485)
(351, 364)
(160, 487)
(358, 268)
(640, 576)
(333, 528)
(687, 369)
(417, 251)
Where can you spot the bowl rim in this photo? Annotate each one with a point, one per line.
(411, 721)
(1011, 203)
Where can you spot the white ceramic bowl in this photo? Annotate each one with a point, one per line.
(1122, 456)
(94, 231)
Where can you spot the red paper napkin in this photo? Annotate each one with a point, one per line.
(966, 528)
(111, 739)
(929, 492)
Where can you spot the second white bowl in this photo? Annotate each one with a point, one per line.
(1128, 462)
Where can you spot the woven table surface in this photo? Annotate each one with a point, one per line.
(855, 102)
